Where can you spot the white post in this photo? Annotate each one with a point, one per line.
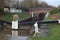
(58, 21)
(36, 28)
(47, 14)
(32, 14)
(15, 24)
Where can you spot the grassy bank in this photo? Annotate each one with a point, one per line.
(9, 16)
(54, 33)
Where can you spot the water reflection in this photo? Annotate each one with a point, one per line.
(19, 38)
(14, 33)
(44, 30)
(8, 34)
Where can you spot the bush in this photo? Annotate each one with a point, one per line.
(53, 11)
(1, 10)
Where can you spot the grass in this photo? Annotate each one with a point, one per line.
(54, 32)
(49, 18)
(8, 16)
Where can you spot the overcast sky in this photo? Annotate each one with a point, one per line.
(52, 2)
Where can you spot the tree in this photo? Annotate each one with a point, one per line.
(28, 3)
(43, 4)
(35, 3)
(1, 7)
(59, 8)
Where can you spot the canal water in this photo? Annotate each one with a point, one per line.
(8, 34)
(43, 29)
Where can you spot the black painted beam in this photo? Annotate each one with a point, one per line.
(2, 21)
(29, 22)
(39, 22)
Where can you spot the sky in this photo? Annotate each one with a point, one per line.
(52, 2)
